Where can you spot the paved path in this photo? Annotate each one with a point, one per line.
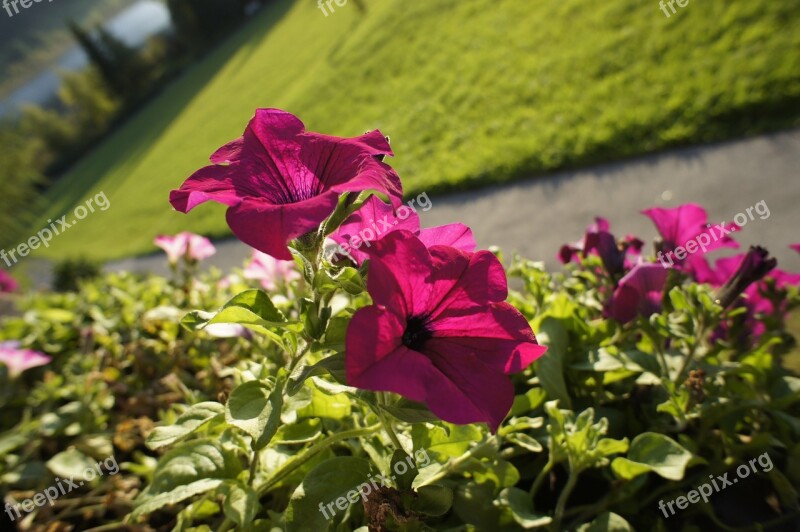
(535, 217)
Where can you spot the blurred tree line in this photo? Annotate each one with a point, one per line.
(43, 142)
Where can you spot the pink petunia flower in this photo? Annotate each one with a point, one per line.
(7, 283)
(639, 293)
(271, 272)
(439, 331)
(686, 236)
(280, 182)
(185, 245)
(795, 247)
(376, 219)
(18, 360)
(617, 256)
(748, 275)
(570, 252)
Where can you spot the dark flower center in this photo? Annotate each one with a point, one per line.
(416, 333)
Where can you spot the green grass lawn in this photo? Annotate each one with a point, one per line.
(471, 91)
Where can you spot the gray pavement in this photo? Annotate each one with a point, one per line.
(536, 216)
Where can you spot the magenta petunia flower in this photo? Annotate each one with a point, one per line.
(570, 252)
(748, 275)
(280, 182)
(686, 236)
(639, 293)
(376, 219)
(617, 256)
(439, 331)
(795, 247)
(185, 245)
(18, 360)
(269, 271)
(7, 283)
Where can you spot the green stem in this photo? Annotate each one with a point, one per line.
(452, 465)
(690, 357)
(290, 466)
(387, 423)
(562, 501)
(253, 469)
(540, 478)
(119, 525)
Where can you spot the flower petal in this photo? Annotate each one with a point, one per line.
(268, 228)
(458, 236)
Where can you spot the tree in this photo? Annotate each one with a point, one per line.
(19, 177)
(123, 71)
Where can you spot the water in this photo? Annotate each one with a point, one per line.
(133, 26)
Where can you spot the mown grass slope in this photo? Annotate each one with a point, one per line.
(470, 91)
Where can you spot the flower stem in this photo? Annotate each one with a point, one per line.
(562, 501)
(253, 469)
(452, 465)
(387, 426)
(701, 330)
(540, 478)
(289, 467)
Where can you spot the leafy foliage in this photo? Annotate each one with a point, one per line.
(221, 433)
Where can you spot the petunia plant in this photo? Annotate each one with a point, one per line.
(365, 371)
(413, 326)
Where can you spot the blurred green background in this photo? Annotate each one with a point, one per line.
(472, 92)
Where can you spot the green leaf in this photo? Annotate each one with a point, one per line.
(57, 315)
(241, 503)
(252, 309)
(405, 480)
(636, 360)
(70, 463)
(189, 469)
(336, 335)
(187, 423)
(501, 473)
(521, 424)
(326, 406)
(301, 432)
(453, 442)
(653, 452)
(179, 494)
(10, 441)
(550, 367)
(532, 399)
(526, 442)
(608, 446)
(333, 365)
(433, 500)
(519, 503)
(255, 408)
(411, 412)
(350, 280)
(331, 481)
(599, 360)
(607, 522)
(191, 461)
